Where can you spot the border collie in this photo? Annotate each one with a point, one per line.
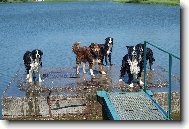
(91, 54)
(149, 54)
(106, 50)
(33, 64)
(133, 63)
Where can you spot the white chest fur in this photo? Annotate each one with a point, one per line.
(134, 68)
(109, 48)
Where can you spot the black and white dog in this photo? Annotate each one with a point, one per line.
(133, 63)
(33, 64)
(149, 54)
(106, 50)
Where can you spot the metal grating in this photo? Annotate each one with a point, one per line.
(135, 106)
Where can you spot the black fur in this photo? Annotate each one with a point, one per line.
(149, 54)
(104, 49)
(27, 60)
(136, 52)
(29, 57)
(34, 52)
(125, 68)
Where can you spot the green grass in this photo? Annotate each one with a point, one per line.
(15, 1)
(73, 0)
(164, 2)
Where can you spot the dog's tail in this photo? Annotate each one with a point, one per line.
(75, 48)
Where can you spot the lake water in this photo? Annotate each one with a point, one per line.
(54, 27)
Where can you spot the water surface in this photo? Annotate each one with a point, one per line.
(54, 27)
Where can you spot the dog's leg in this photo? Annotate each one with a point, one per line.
(77, 70)
(27, 77)
(131, 85)
(102, 59)
(151, 63)
(130, 77)
(130, 80)
(84, 71)
(30, 76)
(106, 59)
(123, 69)
(91, 70)
(122, 72)
(39, 72)
(101, 69)
(78, 62)
(140, 81)
(110, 59)
(150, 66)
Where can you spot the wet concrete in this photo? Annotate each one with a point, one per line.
(62, 95)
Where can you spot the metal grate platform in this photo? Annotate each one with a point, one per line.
(131, 106)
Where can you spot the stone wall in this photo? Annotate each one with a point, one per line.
(162, 99)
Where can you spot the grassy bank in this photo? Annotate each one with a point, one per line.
(74, 0)
(164, 2)
(15, 1)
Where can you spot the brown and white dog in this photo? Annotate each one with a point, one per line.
(91, 54)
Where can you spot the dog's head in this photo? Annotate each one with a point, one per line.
(37, 54)
(132, 52)
(140, 48)
(109, 41)
(95, 50)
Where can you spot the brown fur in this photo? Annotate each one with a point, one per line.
(85, 54)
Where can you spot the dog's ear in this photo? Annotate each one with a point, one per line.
(128, 47)
(33, 54)
(92, 44)
(40, 52)
(107, 38)
(100, 46)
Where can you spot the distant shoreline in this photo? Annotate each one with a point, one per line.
(159, 2)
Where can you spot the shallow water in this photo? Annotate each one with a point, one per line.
(54, 27)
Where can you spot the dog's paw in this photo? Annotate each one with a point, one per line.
(27, 77)
(103, 73)
(131, 85)
(92, 76)
(120, 80)
(77, 75)
(40, 80)
(141, 83)
(30, 80)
